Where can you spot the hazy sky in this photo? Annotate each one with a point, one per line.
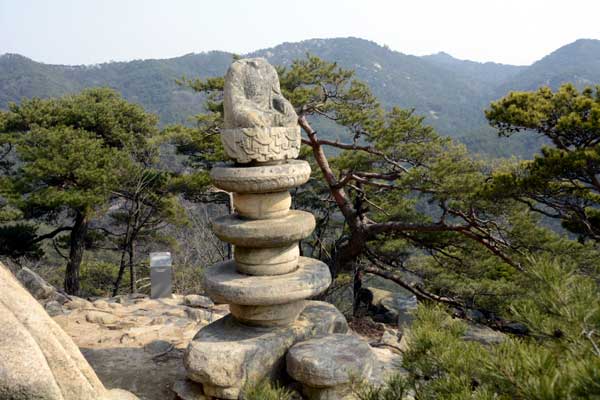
(93, 31)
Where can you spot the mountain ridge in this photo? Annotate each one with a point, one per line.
(451, 93)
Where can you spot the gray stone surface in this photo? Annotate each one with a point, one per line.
(293, 227)
(266, 261)
(37, 286)
(225, 285)
(54, 308)
(143, 351)
(483, 335)
(262, 205)
(261, 179)
(77, 303)
(260, 124)
(37, 358)
(391, 307)
(198, 301)
(276, 315)
(118, 394)
(343, 392)
(188, 390)
(225, 355)
(332, 360)
(101, 317)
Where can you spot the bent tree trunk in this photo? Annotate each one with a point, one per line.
(77, 247)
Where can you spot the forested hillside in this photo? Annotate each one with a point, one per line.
(90, 184)
(451, 93)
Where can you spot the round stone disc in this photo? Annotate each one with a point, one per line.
(224, 284)
(261, 179)
(275, 232)
(330, 360)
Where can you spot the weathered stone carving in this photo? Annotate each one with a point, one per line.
(267, 283)
(263, 179)
(260, 124)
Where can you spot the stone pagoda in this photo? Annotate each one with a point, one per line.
(267, 283)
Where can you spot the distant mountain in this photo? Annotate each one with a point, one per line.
(578, 62)
(150, 83)
(488, 74)
(448, 100)
(451, 93)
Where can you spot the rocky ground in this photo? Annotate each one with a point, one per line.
(137, 344)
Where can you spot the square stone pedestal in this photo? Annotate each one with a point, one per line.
(225, 355)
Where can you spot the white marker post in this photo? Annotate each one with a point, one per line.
(161, 273)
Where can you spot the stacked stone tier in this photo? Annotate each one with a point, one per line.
(226, 285)
(292, 227)
(267, 281)
(261, 179)
(270, 300)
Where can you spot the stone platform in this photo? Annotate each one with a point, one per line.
(226, 354)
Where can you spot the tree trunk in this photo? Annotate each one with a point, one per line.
(124, 248)
(356, 287)
(77, 247)
(121, 273)
(132, 277)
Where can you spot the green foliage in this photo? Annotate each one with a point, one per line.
(395, 388)
(266, 390)
(560, 360)
(73, 151)
(73, 154)
(97, 278)
(562, 181)
(17, 240)
(66, 167)
(452, 93)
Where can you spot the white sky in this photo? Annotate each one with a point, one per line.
(93, 31)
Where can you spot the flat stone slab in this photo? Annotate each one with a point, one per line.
(328, 361)
(224, 355)
(262, 179)
(293, 227)
(224, 284)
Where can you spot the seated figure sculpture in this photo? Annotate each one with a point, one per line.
(261, 124)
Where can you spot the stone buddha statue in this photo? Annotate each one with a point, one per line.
(260, 124)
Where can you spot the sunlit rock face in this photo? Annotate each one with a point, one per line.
(38, 360)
